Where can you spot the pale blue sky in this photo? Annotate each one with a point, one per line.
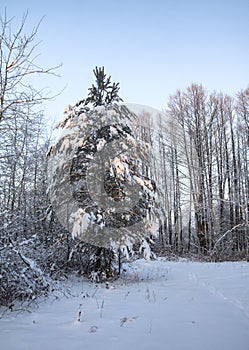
(152, 47)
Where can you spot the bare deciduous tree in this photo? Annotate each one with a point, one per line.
(23, 201)
(17, 67)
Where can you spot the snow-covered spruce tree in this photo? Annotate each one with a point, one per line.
(97, 187)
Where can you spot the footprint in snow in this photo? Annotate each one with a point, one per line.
(93, 329)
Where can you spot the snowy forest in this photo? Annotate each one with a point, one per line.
(201, 172)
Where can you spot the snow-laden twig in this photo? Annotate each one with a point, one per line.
(125, 319)
(101, 309)
(79, 313)
(224, 235)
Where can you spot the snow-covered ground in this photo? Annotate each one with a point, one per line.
(155, 305)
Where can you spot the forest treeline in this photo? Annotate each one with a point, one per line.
(202, 169)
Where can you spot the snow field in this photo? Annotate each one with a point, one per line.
(155, 305)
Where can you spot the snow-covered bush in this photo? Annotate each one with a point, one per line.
(20, 276)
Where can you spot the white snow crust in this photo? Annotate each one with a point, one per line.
(154, 305)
